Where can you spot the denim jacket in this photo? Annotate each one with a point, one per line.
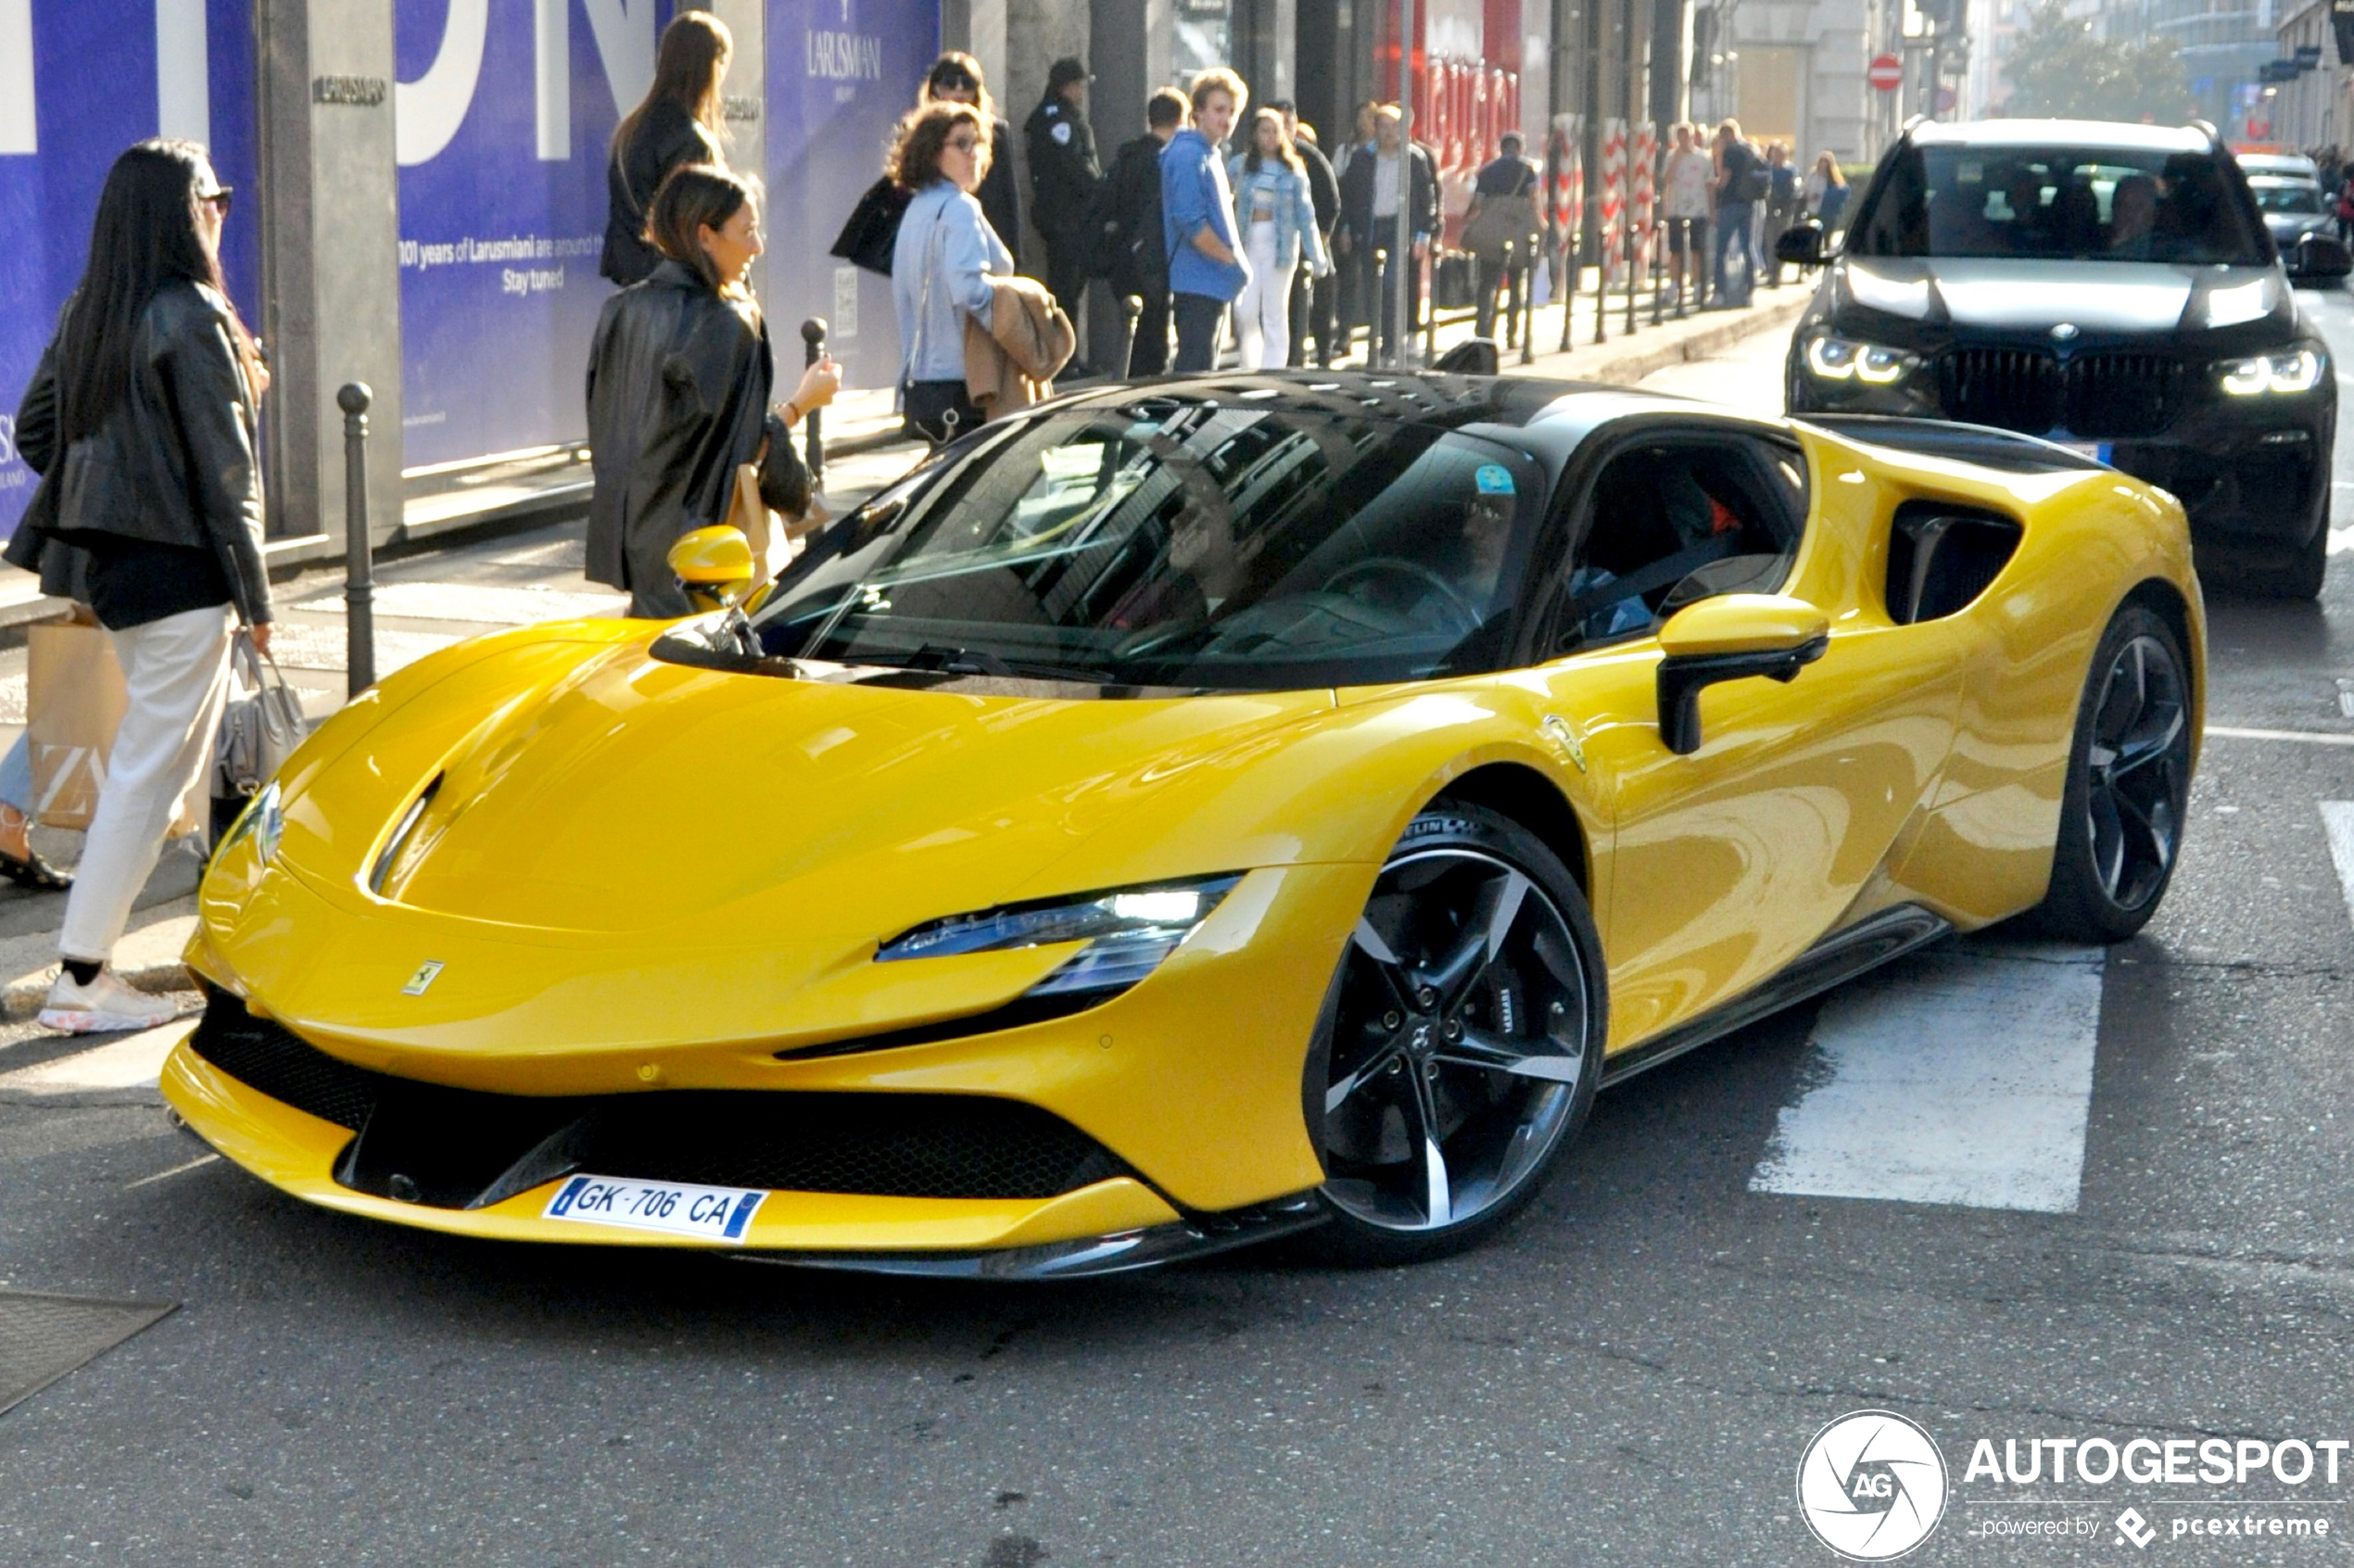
(1295, 212)
(944, 232)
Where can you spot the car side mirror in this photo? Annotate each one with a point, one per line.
(1731, 636)
(2319, 259)
(1800, 245)
(713, 565)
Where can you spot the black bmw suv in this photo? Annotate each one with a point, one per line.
(2108, 286)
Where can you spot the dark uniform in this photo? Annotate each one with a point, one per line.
(1138, 256)
(1315, 302)
(1063, 177)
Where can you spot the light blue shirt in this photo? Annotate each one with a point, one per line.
(940, 270)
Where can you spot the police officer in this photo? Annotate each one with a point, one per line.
(1063, 177)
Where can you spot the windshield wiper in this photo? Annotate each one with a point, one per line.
(975, 661)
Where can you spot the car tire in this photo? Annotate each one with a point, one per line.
(1461, 1044)
(2301, 575)
(2121, 827)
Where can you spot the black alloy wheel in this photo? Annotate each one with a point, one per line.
(2128, 783)
(1463, 1041)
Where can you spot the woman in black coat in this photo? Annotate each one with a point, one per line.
(141, 422)
(680, 374)
(681, 121)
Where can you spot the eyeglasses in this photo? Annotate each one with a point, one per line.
(963, 144)
(218, 199)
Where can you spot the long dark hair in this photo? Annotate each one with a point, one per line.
(694, 196)
(145, 235)
(687, 68)
(1284, 155)
(957, 71)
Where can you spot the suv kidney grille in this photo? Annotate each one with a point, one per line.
(2122, 395)
(2012, 388)
(2099, 396)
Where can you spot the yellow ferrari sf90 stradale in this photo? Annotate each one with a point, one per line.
(1191, 813)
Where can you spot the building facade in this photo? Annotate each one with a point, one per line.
(422, 182)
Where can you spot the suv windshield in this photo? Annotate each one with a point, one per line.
(2079, 204)
(1178, 542)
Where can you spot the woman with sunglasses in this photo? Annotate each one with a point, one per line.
(141, 422)
(955, 78)
(941, 263)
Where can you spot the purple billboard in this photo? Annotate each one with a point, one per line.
(80, 80)
(503, 115)
(840, 73)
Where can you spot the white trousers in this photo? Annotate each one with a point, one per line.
(177, 674)
(1262, 311)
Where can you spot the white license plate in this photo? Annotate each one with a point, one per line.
(2097, 450)
(720, 1214)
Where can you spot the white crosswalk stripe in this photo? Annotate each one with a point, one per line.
(2337, 821)
(1961, 1075)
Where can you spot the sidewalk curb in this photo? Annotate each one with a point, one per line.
(24, 995)
(1625, 370)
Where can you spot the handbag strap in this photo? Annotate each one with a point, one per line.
(923, 292)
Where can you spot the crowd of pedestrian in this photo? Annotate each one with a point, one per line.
(143, 417)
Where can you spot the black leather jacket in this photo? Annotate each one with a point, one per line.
(678, 386)
(173, 463)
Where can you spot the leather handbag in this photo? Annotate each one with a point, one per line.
(872, 232)
(261, 725)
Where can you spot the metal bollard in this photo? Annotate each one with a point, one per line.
(1132, 310)
(1632, 270)
(812, 443)
(358, 547)
(1568, 254)
(1659, 253)
(1527, 276)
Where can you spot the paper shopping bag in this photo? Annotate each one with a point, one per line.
(74, 702)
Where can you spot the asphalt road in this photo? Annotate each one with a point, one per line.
(2149, 1240)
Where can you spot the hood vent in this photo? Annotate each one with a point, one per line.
(381, 874)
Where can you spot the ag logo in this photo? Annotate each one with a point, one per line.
(1872, 1485)
(428, 972)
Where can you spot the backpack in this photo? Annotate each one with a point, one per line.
(1755, 180)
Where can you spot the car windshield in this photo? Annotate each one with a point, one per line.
(2080, 204)
(2298, 197)
(1184, 542)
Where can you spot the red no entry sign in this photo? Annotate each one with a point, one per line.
(1887, 73)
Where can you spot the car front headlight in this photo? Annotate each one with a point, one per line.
(263, 821)
(1127, 932)
(2294, 369)
(1832, 358)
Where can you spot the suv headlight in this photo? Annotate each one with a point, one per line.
(1127, 932)
(263, 821)
(1832, 358)
(2296, 369)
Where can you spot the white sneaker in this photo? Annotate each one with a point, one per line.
(104, 1007)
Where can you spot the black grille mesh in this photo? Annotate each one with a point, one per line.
(266, 1057)
(2099, 396)
(886, 1145)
